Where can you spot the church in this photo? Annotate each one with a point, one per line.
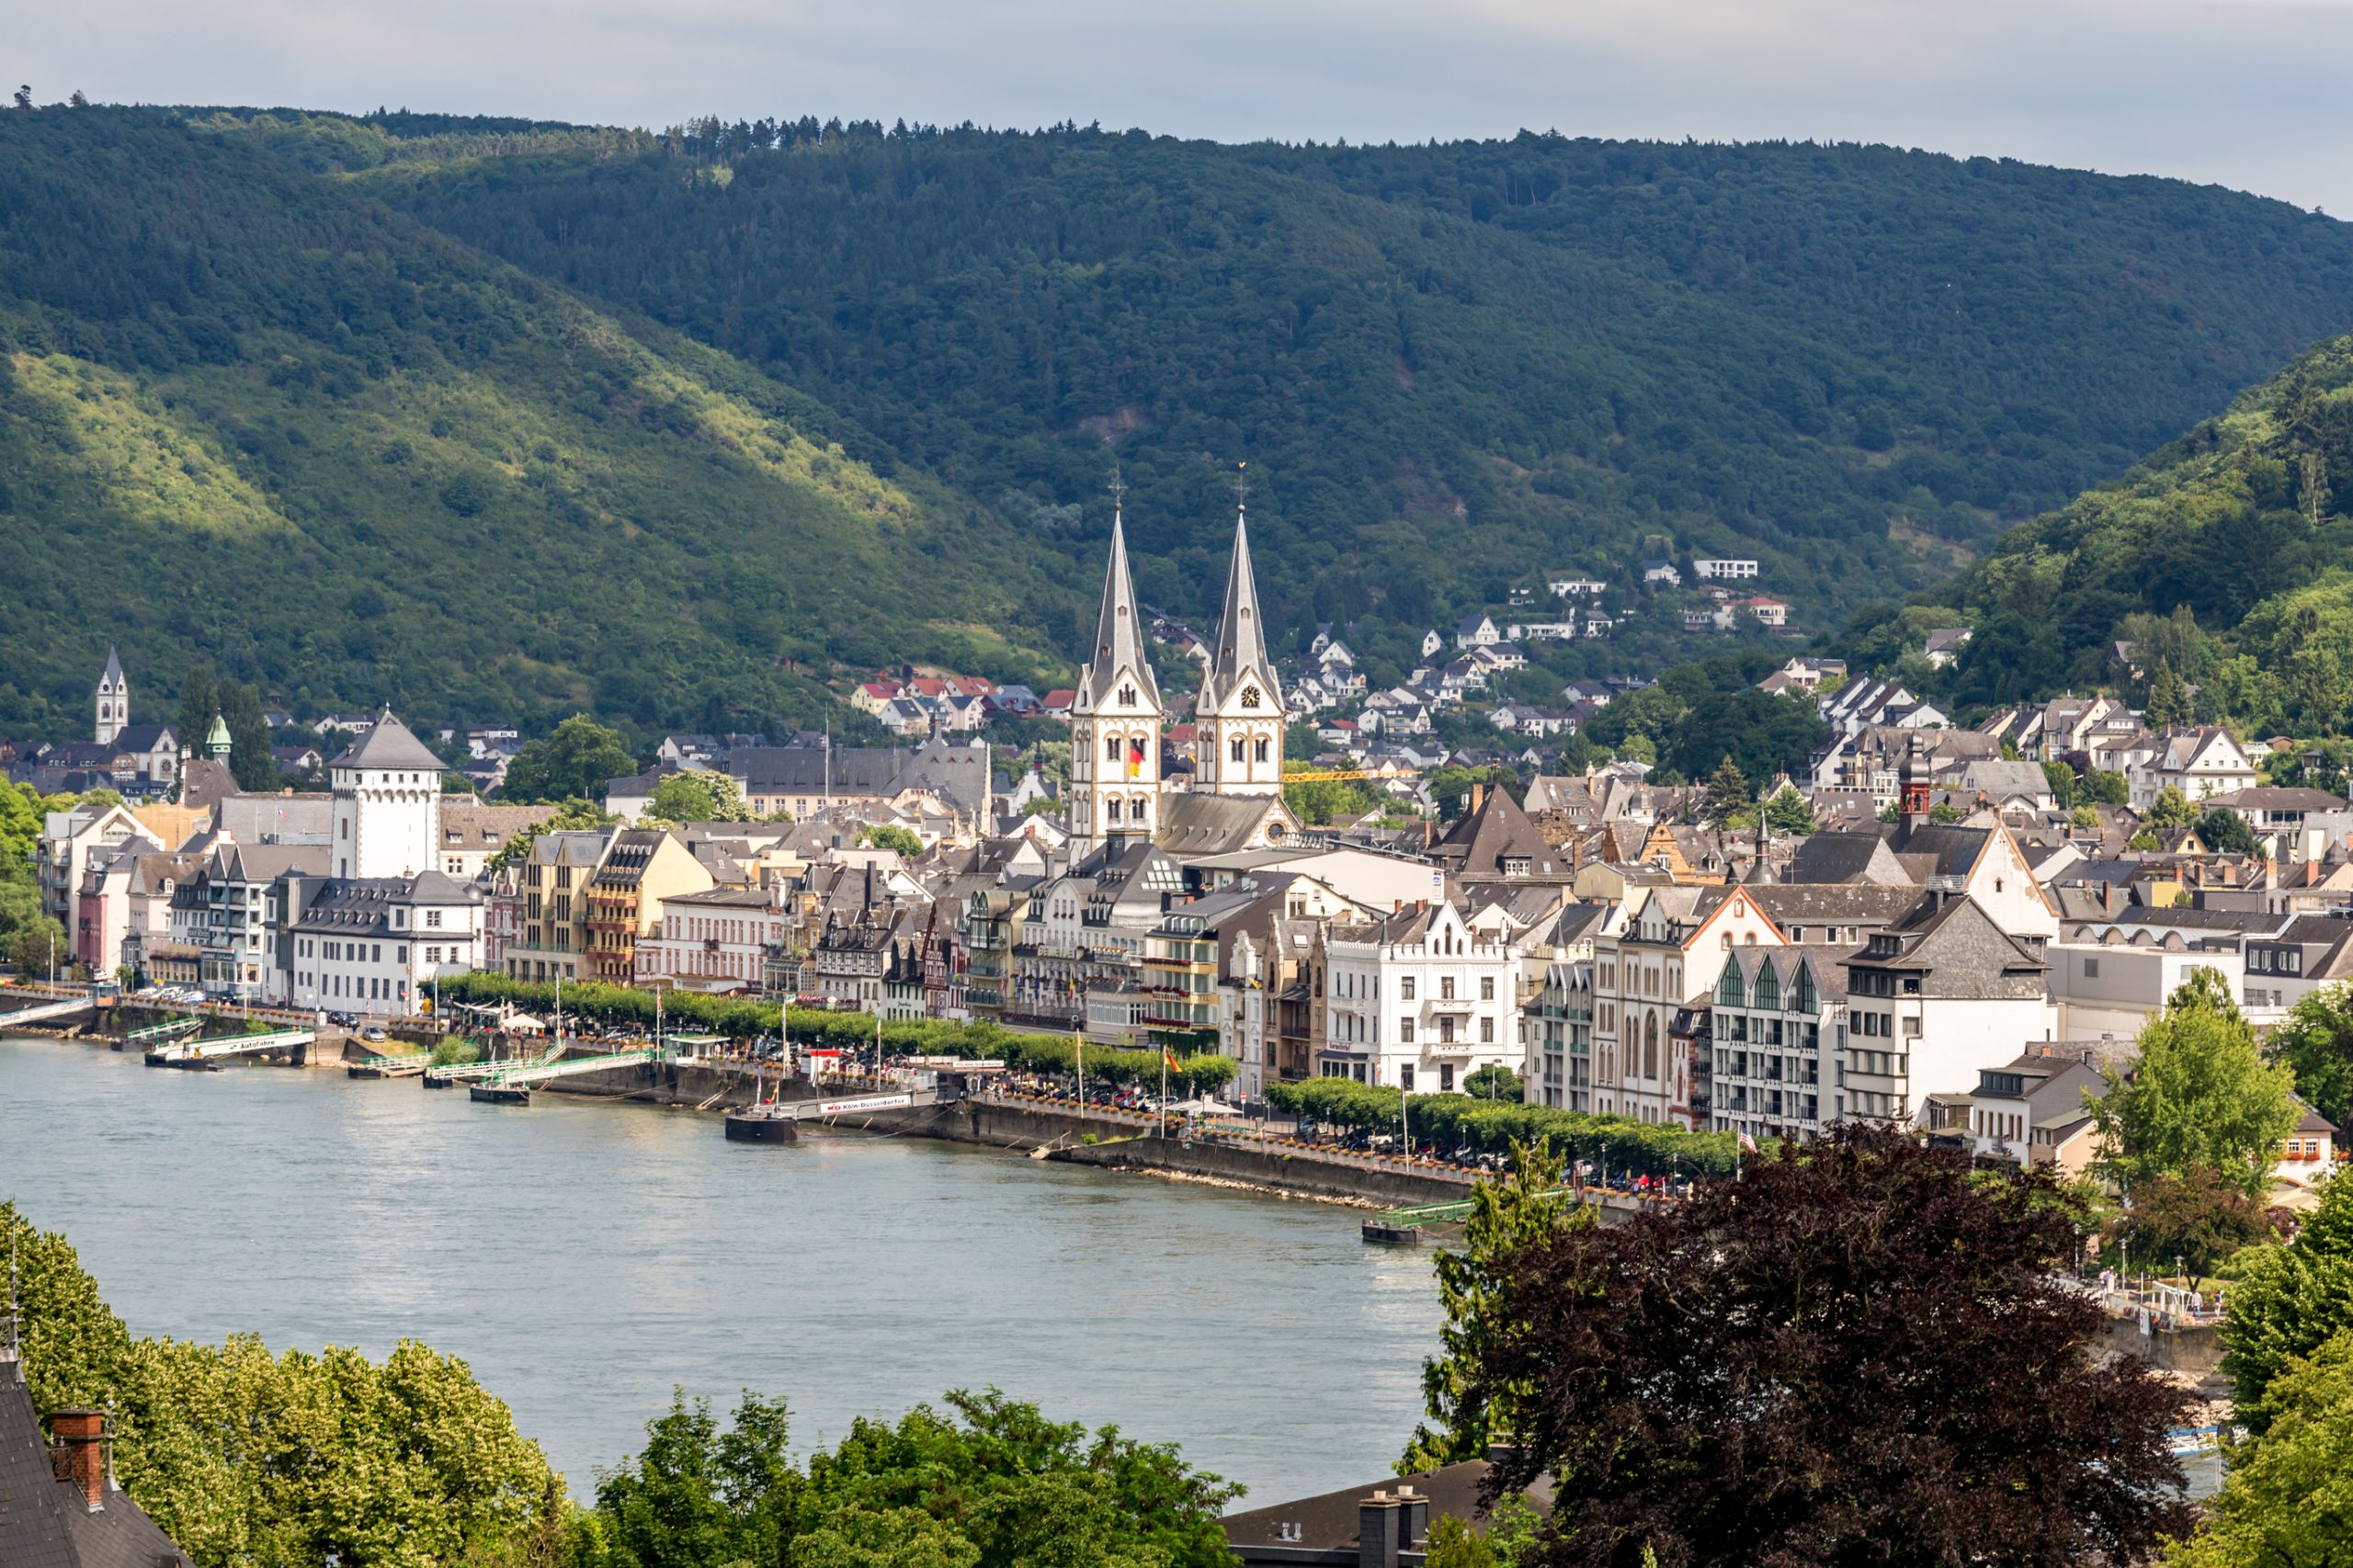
(1121, 793)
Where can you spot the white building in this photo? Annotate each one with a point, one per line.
(2198, 763)
(387, 803)
(716, 941)
(1669, 953)
(1419, 999)
(1721, 570)
(1931, 1002)
(375, 944)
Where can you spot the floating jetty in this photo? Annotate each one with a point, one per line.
(778, 1121)
(206, 1055)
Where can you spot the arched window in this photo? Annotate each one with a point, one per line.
(1137, 808)
(1261, 748)
(1110, 748)
(1650, 1046)
(1112, 807)
(1236, 748)
(1127, 693)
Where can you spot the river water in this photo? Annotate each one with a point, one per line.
(584, 1257)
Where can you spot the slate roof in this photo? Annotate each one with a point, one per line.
(390, 744)
(1845, 857)
(1497, 831)
(1195, 822)
(47, 1522)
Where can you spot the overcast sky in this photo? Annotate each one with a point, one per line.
(2251, 94)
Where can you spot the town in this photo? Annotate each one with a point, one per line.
(1957, 930)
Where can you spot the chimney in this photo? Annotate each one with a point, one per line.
(1478, 796)
(78, 1454)
(1378, 1518)
(1414, 1530)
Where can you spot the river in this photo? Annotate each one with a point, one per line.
(585, 1258)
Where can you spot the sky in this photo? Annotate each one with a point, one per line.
(2251, 94)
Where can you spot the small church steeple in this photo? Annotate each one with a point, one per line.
(113, 700)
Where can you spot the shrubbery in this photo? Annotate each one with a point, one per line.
(1453, 1121)
(740, 1019)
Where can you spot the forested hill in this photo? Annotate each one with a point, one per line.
(2225, 561)
(496, 416)
(1449, 366)
(250, 415)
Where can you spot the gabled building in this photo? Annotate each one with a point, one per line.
(1931, 1000)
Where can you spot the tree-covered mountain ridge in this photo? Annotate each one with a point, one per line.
(250, 418)
(490, 417)
(1451, 368)
(2214, 579)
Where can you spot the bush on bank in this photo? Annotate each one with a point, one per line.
(1453, 1121)
(741, 1019)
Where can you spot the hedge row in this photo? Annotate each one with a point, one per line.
(692, 1011)
(1453, 1121)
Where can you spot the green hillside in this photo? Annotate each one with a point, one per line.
(251, 416)
(491, 416)
(2226, 560)
(1450, 366)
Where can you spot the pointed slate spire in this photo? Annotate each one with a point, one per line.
(113, 676)
(1241, 642)
(1118, 642)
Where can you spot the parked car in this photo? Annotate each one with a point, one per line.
(373, 1033)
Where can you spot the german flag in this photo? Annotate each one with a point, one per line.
(1135, 759)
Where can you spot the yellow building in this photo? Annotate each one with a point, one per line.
(624, 896)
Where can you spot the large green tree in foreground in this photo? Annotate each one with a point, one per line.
(2286, 1302)
(1861, 1352)
(2287, 1501)
(988, 1483)
(250, 1457)
(2200, 1097)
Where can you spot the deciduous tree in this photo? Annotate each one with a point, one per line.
(2197, 1216)
(2315, 1043)
(699, 796)
(575, 763)
(2286, 1302)
(1856, 1353)
(2287, 1498)
(2200, 1096)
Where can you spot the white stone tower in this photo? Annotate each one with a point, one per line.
(114, 700)
(1238, 718)
(1115, 719)
(387, 803)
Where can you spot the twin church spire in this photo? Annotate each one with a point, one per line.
(1116, 768)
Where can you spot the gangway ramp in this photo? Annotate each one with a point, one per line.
(171, 1029)
(42, 1011)
(205, 1054)
(467, 1071)
(513, 1083)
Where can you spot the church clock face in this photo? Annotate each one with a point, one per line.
(1249, 697)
